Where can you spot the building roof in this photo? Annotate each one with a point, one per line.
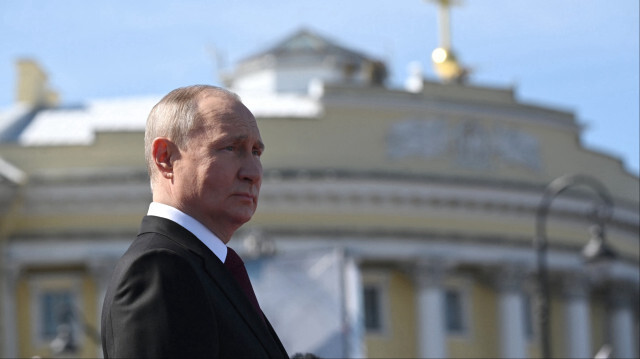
(78, 125)
(305, 42)
(75, 125)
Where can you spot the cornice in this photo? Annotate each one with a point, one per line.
(117, 191)
(458, 250)
(390, 192)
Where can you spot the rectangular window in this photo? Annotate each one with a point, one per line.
(375, 302)
(54, 301)
(454, 313)
(527, 311)
(372, 308)
(56, 308)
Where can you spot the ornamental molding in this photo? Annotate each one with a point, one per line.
(358, 196)
(510, 277)
(471, 143)
(89, 199)
(441, 253)
(91, 193)
(95, 254)
(330, 192)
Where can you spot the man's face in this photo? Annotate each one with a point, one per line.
(219, 173)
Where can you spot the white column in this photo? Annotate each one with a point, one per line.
(577, 318)
(432, 338)
(354, 323)
(511, 312)
(622, 337)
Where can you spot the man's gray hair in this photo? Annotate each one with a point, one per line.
(175, 116)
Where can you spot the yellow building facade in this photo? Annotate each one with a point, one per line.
(430, 193)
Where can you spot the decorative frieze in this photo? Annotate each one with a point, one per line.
(390, 196)
(87, 194)
(470, 143)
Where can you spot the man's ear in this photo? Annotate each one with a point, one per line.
(164, 153)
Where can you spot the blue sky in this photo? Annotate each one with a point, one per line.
(575, 55)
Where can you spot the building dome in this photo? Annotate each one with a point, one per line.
(305, 56)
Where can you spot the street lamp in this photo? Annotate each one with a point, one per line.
(596, 249)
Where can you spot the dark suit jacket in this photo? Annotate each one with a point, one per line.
(170, 296)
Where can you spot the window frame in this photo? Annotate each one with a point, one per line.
(463, 286)
(378, 280)
(40, 285)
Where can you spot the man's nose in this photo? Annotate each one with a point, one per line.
(251, 169)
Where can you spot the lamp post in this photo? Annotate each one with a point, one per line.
(595, 249)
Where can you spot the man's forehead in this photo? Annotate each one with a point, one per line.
(215, 105)
(239, 125)
(229, 121)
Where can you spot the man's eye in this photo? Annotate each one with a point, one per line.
(257, 153)
(228, 148)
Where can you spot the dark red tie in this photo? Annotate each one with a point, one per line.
(236, 266)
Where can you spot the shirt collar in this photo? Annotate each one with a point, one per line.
(192, 225)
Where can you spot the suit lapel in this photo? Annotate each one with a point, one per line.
(220, 276)
(244, 307)
(275, 337)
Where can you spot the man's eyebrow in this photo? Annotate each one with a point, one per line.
(242, 138)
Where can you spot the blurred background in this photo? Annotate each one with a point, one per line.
(420, 156)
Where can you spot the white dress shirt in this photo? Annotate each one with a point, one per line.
(192, 225)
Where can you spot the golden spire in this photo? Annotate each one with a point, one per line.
(444, 61)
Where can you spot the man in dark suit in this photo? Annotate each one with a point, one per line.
(179, 291)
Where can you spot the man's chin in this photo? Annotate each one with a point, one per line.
(242, 218)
